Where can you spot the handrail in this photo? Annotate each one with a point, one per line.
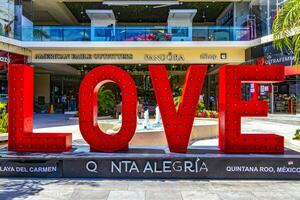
(136, 33)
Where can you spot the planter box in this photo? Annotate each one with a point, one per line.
(3, 137)
(293, 144)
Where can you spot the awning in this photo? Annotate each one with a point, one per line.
(292, 70)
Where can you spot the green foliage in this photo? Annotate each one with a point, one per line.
(297, 135)
(286, 28)
(200, 106)
(2, 106)
(177, 101)
(4, 122)
(106, 101)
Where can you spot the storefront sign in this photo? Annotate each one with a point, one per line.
(212, 57)
(4, 59)
(14, 58)
(178, 55)
(205, 56)
(177, 123)
(84, 56)
(273, 55)
(164, 57)
(279, 59)
(223, 56)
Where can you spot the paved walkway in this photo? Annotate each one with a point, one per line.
(41, 189)
(284, 125)
(53, 120)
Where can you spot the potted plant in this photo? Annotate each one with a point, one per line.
(297, 135)
(106, 101)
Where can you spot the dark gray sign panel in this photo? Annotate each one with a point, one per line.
(145, 163)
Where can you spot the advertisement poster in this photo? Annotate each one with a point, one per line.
(6, 17)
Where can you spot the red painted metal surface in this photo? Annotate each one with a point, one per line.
(232, 108)
(20, 109)
(88, 108)
(178, 124)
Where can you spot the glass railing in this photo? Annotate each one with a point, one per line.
(135, 33)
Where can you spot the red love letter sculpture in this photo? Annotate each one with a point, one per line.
(232, 108)
(178, 124)
(20, 109)
(88, 108)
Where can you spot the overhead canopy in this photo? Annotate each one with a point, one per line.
(101, 17)
(181, 16)
(148, 13)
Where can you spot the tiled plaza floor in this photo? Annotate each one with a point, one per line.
(284, 125)
(45, 189)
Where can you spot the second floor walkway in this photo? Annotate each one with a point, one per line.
(136, 33)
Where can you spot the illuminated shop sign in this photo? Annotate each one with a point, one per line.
(177, 123)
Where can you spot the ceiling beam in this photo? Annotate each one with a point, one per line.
(58, 10)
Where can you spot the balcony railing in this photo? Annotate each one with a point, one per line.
(135, 33)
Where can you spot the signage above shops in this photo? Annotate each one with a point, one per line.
(83, 56)
(4, 59)
(164, 57)
(272, 59)
(140, 56)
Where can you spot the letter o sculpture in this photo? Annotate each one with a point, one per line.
(88, 109)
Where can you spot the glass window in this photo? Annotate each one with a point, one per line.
(180, 31)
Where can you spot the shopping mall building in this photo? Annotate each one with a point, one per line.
(64, 39)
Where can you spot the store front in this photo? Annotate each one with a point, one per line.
(56, 93)
(284, 96)
(63, 89)
(5, 58)
(64, 92)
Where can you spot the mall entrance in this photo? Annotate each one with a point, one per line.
(62, 96)
(64, 92)
(57, 92)
(286, 95)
